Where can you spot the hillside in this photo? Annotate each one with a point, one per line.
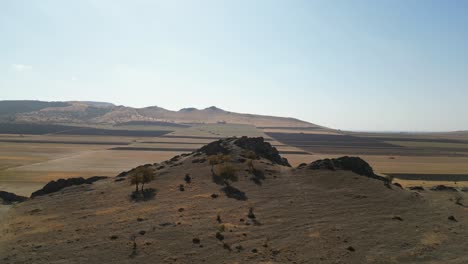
(105, 113)
(323, 212)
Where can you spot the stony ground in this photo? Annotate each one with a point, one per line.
(301, 216)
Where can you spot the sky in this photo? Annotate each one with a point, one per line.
(352, 65)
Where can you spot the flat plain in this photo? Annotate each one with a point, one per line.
(29, 161)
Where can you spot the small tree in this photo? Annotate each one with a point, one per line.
(147, 175)
(135, 179)
(142, 175)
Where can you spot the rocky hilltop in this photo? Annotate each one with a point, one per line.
(237, 200)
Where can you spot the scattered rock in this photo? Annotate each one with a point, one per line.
(397, 218)
(443, 188)
(34, 211)
(181, 188)
(9, 198)
(354, 164)
(359, 196)
(55, 186)
(215, 147)
(416, 188)
(398, 185)
(113, 237)
(119, 179)
(196, 241)
(214, 195)
(219, 236)
(239, 248)
(227, 246)
(175, 158)
(241, 160)
(452, 218)
(262, 149)
(142, 232)
(232, 192)
(351, 249)
(181, 210)
(122, 174)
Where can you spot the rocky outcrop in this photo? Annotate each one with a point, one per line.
(262, 149)
(55, 186)
(216, 147)
(354, 164)
(257, 145)
(9, 198)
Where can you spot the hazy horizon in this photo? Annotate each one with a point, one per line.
(358, 66)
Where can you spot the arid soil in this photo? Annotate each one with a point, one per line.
(288, 215)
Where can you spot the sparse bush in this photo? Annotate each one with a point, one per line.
(187, 178)
(250, 165)
(221, 228)
(218, 159)
(250, 155)
(388, 181)
(251, 215)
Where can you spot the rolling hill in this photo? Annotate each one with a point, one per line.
(76, 112)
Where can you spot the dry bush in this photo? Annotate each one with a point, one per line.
(227, 172)
(249, 154)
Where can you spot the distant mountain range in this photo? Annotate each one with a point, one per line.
(85, 112)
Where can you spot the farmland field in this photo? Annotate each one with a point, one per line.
(28, 161)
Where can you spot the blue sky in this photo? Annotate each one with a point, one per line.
(355, 65)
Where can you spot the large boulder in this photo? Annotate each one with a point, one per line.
(9, 198)
(262, 149)
(55, 186)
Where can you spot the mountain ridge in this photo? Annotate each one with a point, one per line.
(91, 112)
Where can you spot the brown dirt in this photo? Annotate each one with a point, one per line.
(301, 216)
